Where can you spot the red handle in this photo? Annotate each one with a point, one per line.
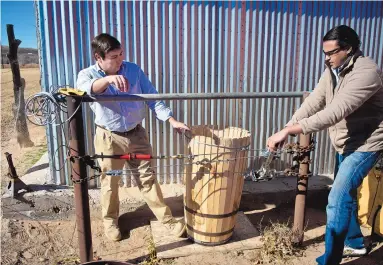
(143, 156)
(126, 157)
(136, 156)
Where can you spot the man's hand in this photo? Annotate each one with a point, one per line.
(277, 140)
(178, 126)
(119, 81)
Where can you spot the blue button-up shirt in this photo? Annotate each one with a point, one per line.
(122, 116)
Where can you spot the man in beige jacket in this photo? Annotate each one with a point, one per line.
(348, 101)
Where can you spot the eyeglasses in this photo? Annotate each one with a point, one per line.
(335, 51)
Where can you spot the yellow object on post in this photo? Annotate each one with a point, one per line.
(71, 91)
(370, 197)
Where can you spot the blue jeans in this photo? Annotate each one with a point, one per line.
(342, 226)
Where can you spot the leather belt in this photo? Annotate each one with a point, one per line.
(120, 133)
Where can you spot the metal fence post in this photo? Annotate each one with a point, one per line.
(302, 185)
(77, 148)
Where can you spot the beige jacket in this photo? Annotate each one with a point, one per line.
(352, 111)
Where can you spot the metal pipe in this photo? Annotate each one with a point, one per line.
(301, 194)
(188, 96)
(137, 156)
(79, 175)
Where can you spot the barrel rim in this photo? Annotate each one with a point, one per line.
(239, 148)
(211, 244)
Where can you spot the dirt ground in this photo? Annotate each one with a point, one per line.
(52, 238)
(23, 158)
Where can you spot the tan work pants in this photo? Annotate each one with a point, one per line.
(135, 141)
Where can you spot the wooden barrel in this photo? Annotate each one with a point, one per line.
(214, 182)
(370, 199)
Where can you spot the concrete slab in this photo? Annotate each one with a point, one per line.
(39, 173)
(283, 184)
(315, 182)
(245, 237)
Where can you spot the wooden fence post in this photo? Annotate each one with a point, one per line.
(22, 132)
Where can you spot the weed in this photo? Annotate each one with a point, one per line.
(278, 247)
(152, 256)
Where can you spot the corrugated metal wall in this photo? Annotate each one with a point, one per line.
(205, 47)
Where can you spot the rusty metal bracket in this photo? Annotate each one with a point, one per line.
(15, 184)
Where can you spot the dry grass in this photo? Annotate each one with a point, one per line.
(23, 158)
(32, 80)
(278, 247)
(28, 65)
(152, 257)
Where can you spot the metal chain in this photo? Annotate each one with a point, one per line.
(290, 173)
(300, 153)
(88, 160)
(302, 160)
(80, 181)
(295, 148)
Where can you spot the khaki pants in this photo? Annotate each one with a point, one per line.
(135, 141)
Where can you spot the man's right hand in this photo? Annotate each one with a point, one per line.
(119, 81)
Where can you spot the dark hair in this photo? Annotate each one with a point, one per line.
(104, 43)
(345, 36)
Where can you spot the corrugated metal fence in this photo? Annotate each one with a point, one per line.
(204, 47)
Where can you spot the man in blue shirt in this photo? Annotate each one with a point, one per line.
(119, 130)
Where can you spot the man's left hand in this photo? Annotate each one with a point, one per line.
(178, 126)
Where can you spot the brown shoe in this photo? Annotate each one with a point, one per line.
(176, 227)
(113, 232)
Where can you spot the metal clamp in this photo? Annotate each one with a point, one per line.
(265, 173)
